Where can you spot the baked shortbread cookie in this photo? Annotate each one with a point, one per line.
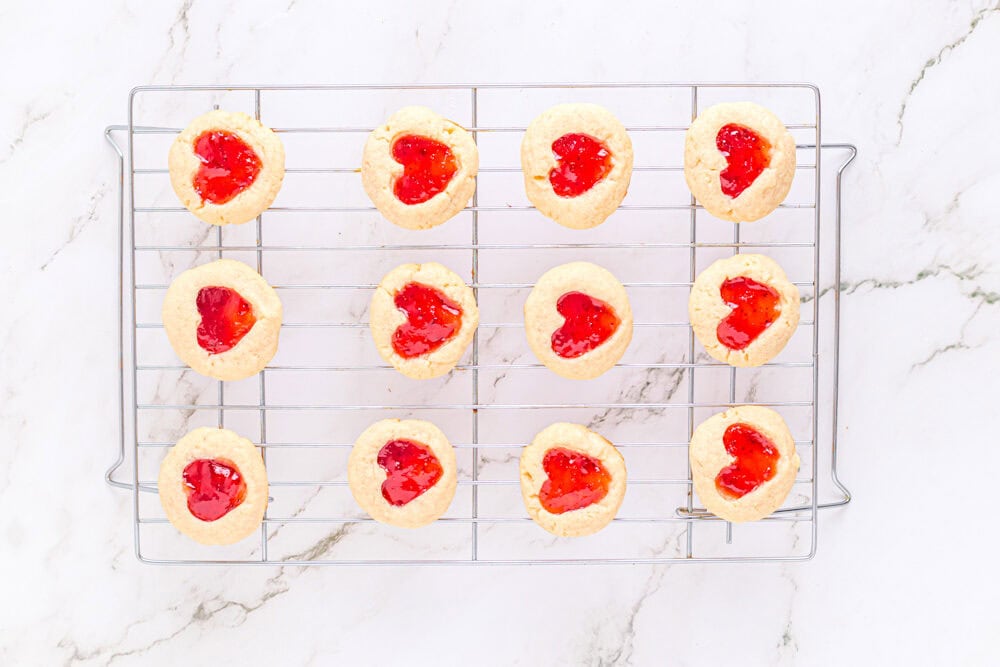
(572, 480)
(743, 462)
(743, 309)
(423, 317)
(577, 163)
(402, 472)
(213, 486)
(419, 169)
(578, 320)
(222, 319)
(739, 161)
(226, 167)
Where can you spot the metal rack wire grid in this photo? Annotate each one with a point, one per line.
(324, 248)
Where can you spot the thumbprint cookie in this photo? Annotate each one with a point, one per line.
(222, 319)
(577, 163)
(213, 486)
(403, 472)
(572, 480)
(419, 168)
(739, 161)
(226, 167)
(743, 463)
(743, 309)
(578, 320)
(423, 317)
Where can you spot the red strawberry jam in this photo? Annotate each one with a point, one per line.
(582, 161)
(215, 487)
(755, 307)
(428, 167)
(756, 460)
(747, 155)
(589, 322)
(225, 318)
(432, 319)
(228, 166)
(411, 468)
(575, 481)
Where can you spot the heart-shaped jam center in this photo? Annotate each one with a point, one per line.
(747, 155)
(582, 161)
(428, 167)
(575, 480)
(215, 487)
(432, 319)
(228, 166)
(588, 323)
(226, 317)
(411, 468)
(755, 307)
(756, 460)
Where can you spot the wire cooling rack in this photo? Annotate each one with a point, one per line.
(324, 248)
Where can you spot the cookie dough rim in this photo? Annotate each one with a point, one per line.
(594, 206)
(703, 162)
(385, 318)
(181, 319)
(706, 309)
(584, 521)
(708, 456)
(214, 443)
(541, 318)
(365, 476)
(184, 163)
(379, 170)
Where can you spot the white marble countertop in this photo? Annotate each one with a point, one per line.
(905, 574)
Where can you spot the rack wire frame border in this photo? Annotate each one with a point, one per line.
(690, 515)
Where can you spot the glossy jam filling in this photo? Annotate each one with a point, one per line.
(755, 307)
(589, 322)
(747, 155)
(428, 167)
(582, 162)
(411, 468)
(228, 166)
(575, 480)
(215, 487)
(226, 317)
(756, 461)
(432, 319)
